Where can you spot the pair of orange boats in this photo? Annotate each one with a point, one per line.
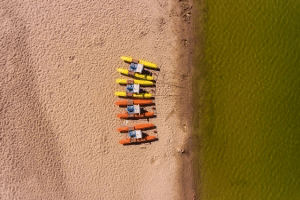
(135, 134)
(134, 111)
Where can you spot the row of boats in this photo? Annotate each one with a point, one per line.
(137, 98)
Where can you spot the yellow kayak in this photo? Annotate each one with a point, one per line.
(145, 63)
(140, 82)
(136, 75)
(142, 95)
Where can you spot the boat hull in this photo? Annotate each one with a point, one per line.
(136, 75)
(145, 63)
(136, 127)
(135, 116)
(140, 82)
(141, 95)
(134, 102)
(148, 138)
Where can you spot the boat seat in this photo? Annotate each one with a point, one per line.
(133, 88)
(138, 134)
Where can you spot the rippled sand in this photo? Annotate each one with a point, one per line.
(58, 122)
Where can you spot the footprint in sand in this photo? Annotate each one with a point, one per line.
(155, 162)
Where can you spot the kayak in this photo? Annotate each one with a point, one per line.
(135, 74)
(143, 62)
(140, 82)
(136, 127)
(134, 102)
(135, 115)
(133, 95)
(148, 138)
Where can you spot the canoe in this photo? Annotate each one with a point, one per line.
(145, 63)
(148, 138)
(133, 95)
(135, 74)
(134, 102)
(136, 127)
(135, 116)
(140, 82)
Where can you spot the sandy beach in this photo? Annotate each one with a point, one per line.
(58, 135)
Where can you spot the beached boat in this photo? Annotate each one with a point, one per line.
(136, 127)
(135, 112)
(143, 62)
(135, 74)
(148, 138)
(133, 91)
(133, 95)
(136, 136)
(140, 82)
(134, 102)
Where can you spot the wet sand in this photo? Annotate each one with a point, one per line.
(58, 120)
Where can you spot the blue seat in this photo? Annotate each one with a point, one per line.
(133, 66)
(132, 134)
(130, 109)
(130, 88)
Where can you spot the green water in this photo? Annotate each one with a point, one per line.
(247, 123)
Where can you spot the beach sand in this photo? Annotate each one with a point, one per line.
(58, 119)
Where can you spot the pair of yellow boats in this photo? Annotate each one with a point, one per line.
(138, 75)
(147, 79)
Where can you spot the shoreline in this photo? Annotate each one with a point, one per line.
(186, 39)
(193, 41)
(200, 90)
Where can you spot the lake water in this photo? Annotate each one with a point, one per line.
(248, 128)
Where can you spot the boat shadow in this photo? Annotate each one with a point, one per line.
(139, 143)
(147, 118)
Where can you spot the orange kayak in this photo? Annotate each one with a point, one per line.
(135, 115)
(148, 138)
(134, 102)
(136, 127)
